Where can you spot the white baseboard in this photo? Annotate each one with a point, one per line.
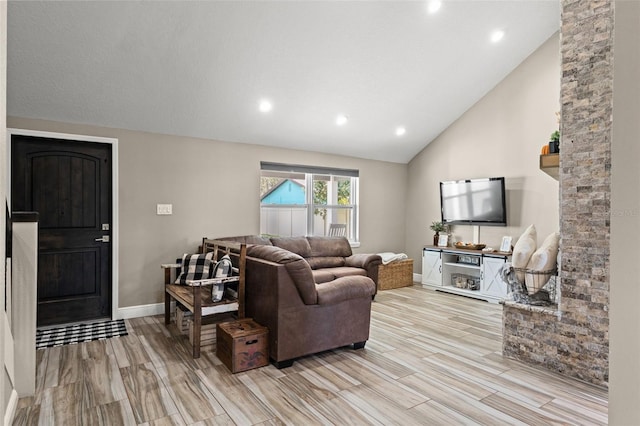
(417, 278)
(11, 408)
(140, 311)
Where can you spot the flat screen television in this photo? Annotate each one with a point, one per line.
(474, 202)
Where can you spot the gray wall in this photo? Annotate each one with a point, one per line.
(214, 189)
(501, 135)
(624, 316)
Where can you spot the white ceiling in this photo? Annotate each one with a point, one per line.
(200, 68)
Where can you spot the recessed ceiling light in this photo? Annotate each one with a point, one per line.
(433, 6)
(265, 106)
(497, 35)
(341, 120)
(400, 131)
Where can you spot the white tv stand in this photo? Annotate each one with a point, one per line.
(471, 273)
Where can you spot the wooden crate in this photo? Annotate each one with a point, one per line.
(207, 334)
(242, 344)
(395, 274)
(182, 319)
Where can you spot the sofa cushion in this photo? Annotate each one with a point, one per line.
(297, 245)
(323, 275)
(345, 288)
(272, 254)
(347, 271)
(329, 246)
(325, 262)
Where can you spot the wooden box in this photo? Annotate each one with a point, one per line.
(242, 344)
(207, 334)
(395, 274)
(182, 319)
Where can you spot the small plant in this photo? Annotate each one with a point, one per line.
(438, 226)
(555, 136)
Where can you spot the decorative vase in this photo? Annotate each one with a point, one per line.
(436, 237)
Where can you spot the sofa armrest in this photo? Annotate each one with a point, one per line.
(297, 268)
(369, 262)
(345, 288)
(363, 260)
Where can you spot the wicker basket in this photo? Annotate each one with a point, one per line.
(535, 280)
(395, 274)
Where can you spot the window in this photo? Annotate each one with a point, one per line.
(304, 200)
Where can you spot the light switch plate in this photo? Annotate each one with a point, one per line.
(164, 209)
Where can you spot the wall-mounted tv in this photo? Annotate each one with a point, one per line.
(474, 202)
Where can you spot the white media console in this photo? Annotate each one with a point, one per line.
(471, 273)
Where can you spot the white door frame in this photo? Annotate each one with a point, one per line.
(114, 193)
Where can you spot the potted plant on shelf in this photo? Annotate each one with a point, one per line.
(554, 142)
(437, 227)
(554, 139)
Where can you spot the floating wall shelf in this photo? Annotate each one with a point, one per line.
(550, 164)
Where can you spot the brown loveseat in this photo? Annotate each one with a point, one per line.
(312, 293)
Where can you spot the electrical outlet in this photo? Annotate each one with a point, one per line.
(164, 209)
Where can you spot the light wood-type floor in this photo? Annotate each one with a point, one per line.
(432, 358)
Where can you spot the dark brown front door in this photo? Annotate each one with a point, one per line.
(69, 184)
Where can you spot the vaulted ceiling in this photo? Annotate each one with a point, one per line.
(202, 69)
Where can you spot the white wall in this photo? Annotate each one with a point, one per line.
(214, 189)
(501, 135)
(24, 272)
(624, 316)
(5, 384)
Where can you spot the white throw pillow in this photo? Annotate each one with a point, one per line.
(523, 250)
(544, 259)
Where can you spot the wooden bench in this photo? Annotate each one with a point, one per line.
(196, 295)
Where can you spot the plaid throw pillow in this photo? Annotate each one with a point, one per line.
(196, 267)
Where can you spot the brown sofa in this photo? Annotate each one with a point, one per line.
(312, 293)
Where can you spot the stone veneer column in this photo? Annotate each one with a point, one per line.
(575, 341)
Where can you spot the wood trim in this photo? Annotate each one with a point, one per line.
(24, 217)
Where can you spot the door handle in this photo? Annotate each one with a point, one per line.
(104, 239)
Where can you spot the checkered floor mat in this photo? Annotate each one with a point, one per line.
(79, 333)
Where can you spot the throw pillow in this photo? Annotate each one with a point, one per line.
(224, 268)
(297, 245)
(325, 262)
(196, 267)
(544, 259)
(523, 250)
